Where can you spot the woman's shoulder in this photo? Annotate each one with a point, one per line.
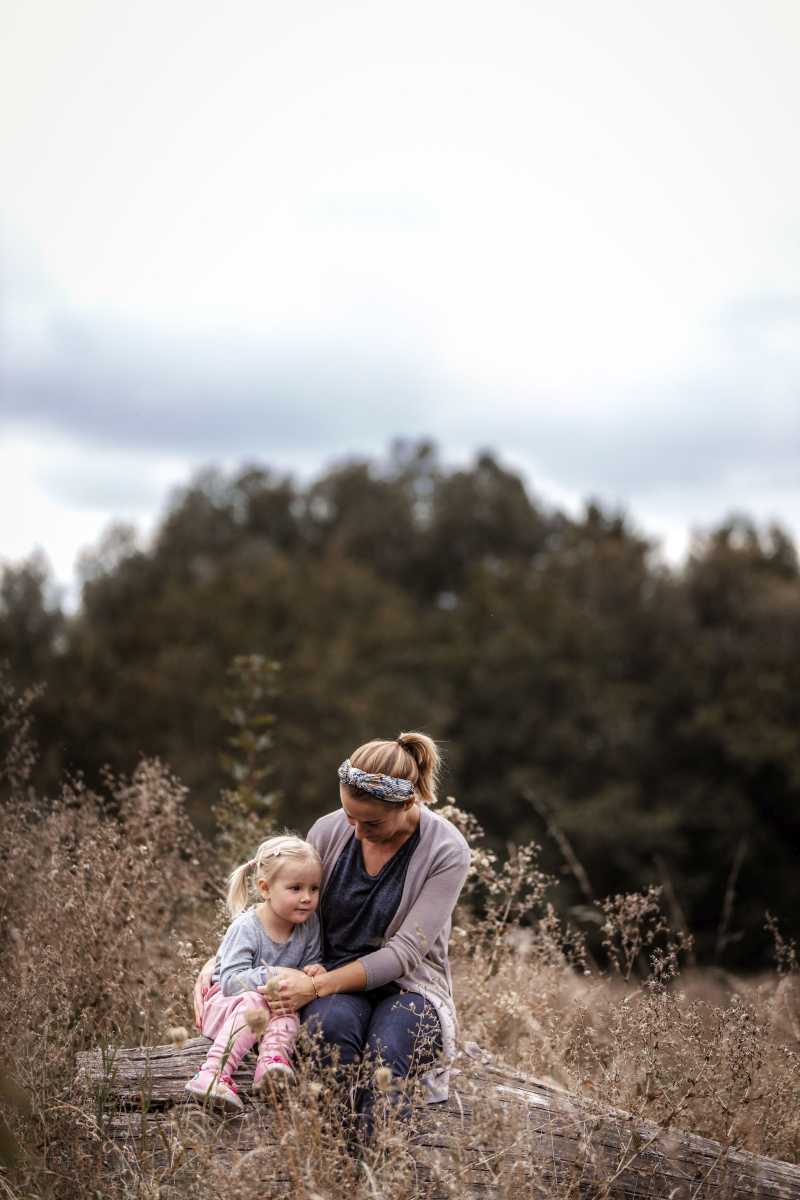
(443, 833)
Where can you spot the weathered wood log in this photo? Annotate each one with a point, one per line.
(497, 1127)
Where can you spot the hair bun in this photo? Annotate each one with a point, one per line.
(424, 751)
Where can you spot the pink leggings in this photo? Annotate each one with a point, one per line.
(223, 1021)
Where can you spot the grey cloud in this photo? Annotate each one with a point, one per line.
(737, 416)
(197, 397)
(696, 434)
(222, 398)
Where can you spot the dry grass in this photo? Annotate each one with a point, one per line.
(106, 911)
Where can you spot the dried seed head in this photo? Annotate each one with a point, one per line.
(257, 1020)
(383, 1079)
(178, 1035)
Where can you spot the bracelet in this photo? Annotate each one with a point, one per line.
(314, 985)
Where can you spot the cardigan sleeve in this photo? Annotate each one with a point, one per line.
(427, 917)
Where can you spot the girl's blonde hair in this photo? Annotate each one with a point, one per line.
(270, 857)
(411, 756)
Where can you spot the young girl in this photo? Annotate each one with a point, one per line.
(281, 931)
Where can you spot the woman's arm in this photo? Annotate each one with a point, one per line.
(291, 989)
(350, 978)
(425, 920)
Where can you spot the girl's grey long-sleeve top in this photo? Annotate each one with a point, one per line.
(247, 954)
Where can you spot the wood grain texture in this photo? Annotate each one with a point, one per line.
(497, 1125)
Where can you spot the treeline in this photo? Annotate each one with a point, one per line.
(641, 720)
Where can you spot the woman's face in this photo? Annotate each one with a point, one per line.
(373, 821)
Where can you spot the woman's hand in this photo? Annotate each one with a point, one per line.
(201, 985)
(314, 969)
(287, 991)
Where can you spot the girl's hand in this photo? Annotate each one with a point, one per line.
(202, 984)
(287, 991)
(314, 969)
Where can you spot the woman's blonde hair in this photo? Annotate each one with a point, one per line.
(412, 756)
(270, 857)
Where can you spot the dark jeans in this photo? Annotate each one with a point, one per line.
(398, 1030)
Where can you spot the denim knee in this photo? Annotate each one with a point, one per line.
(340, 1021)
(405, 1033)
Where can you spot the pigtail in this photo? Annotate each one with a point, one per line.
(239, 888)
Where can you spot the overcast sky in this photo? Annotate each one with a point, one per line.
(569, 231)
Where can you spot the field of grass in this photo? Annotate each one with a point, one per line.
(109, 904)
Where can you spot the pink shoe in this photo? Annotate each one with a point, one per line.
(210, 1088)
(274, 1067)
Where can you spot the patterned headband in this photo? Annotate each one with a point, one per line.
(382, 787)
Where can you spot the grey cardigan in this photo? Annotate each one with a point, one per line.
(414, 952)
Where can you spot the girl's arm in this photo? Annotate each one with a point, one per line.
(240, 966)
(425, 920)
(295, 988)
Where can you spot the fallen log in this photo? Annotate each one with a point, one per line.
(498, 1129)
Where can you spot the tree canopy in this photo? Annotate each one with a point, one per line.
(651, 712)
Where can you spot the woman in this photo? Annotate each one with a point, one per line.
(392, 871)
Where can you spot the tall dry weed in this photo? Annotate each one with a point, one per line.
(92, 891)
(108, 903)
(721, 1058)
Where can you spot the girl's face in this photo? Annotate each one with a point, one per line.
(373, 821)
(293, 894)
